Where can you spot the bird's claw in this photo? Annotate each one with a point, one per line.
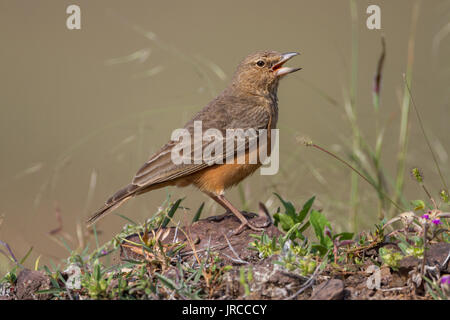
(244, 225)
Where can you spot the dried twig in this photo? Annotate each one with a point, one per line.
(239, 260)
(307, 284)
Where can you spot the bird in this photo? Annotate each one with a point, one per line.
(249, 102)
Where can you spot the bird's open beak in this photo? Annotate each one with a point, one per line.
(279, 69)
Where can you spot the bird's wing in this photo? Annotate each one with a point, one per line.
(220, 115)
(160, 168)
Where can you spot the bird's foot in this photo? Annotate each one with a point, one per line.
(218, 218)
(244, 225)
(249, 215)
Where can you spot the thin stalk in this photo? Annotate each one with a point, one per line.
(355, 171)
(378, 133)
(353, 89)
(425, 231)
(425, 135)
(404, 124)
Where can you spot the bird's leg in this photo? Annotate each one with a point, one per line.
(220, 199)
(215, 198)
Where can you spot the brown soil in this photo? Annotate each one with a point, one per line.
(272, 281)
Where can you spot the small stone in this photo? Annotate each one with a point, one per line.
(332, 289)
(408, 263)
(28, 282)
(73, 281)
(386, 276)
(437, 253)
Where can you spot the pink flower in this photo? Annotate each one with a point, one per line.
(445, 279)
(426, 216)
(436, 221)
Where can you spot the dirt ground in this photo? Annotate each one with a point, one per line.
(365, 281)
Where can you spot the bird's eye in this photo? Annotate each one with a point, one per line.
(260, 63)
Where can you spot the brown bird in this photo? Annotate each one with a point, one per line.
(249, 102)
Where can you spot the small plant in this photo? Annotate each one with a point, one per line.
(413, 246)
(328, 242)
(265, 245)
(294, 225)
(390, 257)
(10, 277)
(246, 280)
(97, 282)
(299, 259)
(438, 289)
(290, 218)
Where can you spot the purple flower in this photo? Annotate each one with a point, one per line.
(445, 279)
(436, 221)
(426, 216)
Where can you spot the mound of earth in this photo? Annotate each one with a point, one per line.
(270, 280)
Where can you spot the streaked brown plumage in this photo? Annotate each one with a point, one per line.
(249, 102)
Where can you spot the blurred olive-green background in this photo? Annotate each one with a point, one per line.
(81, 110)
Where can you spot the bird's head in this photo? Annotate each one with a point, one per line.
(259, 73)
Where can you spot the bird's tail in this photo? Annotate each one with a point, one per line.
(113, 203)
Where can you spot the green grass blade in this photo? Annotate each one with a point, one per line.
(171, 212)
(198, 213)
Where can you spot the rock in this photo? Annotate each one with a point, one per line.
(6, 291)
(270, 281)
(408, 263)
(332, 289)
(386, 276)
(28, 282)
(212, 233)
(435, 255)
(73, 273)
(398, 280)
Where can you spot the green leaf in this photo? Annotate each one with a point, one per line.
(304, 227)
(64, 242)
(97, 272)
(126, 218)
(418, 205)
(199, 212)
(403, 247)
(171, 212)
(344, 236)
(274, 243)
(318, 221)
(288, 206)
(26, 256)
(286, 221)
(289, 233)
(308, 204)
(198, 273)
(52, 280)
(320, 248)
(276, 219)
(94, 228)
(49, 291)
(166, 281)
